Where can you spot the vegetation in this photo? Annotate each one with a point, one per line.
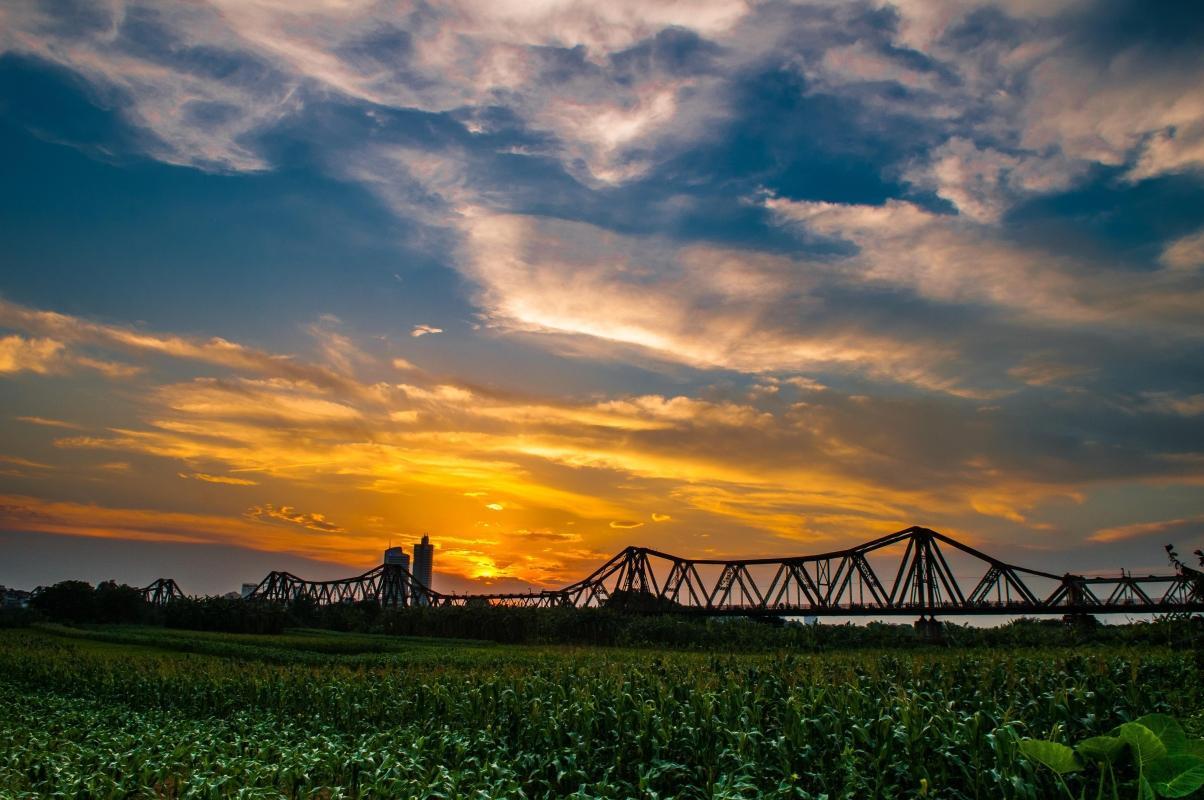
(135, 711)
(1151, 757)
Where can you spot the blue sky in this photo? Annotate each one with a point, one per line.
(548, 279)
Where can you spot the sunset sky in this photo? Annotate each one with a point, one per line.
(284, 281)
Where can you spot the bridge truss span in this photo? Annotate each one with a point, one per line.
(909, 572)
(913, 572)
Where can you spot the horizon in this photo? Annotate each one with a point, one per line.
(286, 284)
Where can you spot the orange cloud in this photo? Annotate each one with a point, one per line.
(18, 512)
(223, 479)
(62, 329)
(1190, 526)
(313, 521)
(44, 356)
(18, 354)
(50, 423)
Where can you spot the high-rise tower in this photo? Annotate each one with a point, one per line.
(398, 557)
(398, 590)
(424, 557)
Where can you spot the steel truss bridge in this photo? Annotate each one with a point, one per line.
(904, 573)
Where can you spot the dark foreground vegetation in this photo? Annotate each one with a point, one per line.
(140, 711)
(624, 625)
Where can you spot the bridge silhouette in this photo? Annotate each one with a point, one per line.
(837, 583)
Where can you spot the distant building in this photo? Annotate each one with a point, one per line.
(248, 589)
(398, 557)
(14, 598)
(424, 558)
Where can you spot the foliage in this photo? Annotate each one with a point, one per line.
(1148, 757)
(146, 712)
(617, 626)
(78, 601)
(222, 614)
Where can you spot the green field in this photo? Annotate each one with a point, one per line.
(148, 712)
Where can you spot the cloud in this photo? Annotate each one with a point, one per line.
(424, 330)
(950, 260)
(50, 423)
(813, 467)
(287, 514)
(197, 111)
(703, 306)
(237, 69)
(24, 462)
(64, 329)
(18, 354)
(553, 456)
(335, 348)
(251, 399)
(1179, 405)
(1186, 253)
(1016, 97)
(24, 513)
(223, 479)
(1168, 529)
(1042, 370)
(51, 357)
(983, 182)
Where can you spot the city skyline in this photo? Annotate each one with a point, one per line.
(282, 282)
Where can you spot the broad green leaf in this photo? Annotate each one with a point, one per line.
(1167, 729)
(1144, 745)
(1058, 757)
(1176, 775)
(1102, 748)
(1144, 790)
(1194, 747)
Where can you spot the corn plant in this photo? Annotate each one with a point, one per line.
(133, 712)
(1148, 757)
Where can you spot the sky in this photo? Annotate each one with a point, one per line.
(284, 283)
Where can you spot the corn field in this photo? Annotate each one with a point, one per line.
(135, 712)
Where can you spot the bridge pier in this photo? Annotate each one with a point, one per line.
(930, 629)
(1080, 621)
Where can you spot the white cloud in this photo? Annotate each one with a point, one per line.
(955, 260)
(705, 306)
(982, 182)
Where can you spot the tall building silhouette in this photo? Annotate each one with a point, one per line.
(399, 557)
(424, 557)
(400, 590)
